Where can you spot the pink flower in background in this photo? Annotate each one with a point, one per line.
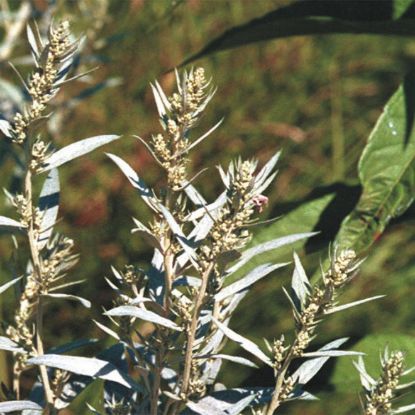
(260, 201)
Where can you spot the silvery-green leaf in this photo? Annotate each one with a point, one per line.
(239, 406)
(332, 353)
(49, 206)
(77, 149)
(266, 170)
(300, 283)
(10, 345)
(85, 366)
(8, 284)
(196, 198)
(83, 301)
(132, 311)
(200, 139)
(35, 41)
(403, 409)
(207, 209)
(299, 394)
(405, 385)
(252, 277)
(235, 359)
(246, 344)
(159, 102)
(146, 194)
(268, 246)
(354, 303)
(311, 367)
(107, 330)
(365, 379)
(181, 238)
(223, 401)
(146, 234)
(5, 128)
(12, 406)
(8, 223)
(408, 371)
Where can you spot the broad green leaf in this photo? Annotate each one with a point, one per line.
(319, 17)
(373, 345)
(386, 172)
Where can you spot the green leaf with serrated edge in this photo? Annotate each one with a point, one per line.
(386, 172)
(318, 17)
(373, 345)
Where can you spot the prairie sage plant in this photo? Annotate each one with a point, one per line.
(191, 289)
(170, 319)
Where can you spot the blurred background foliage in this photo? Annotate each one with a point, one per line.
(315, 97)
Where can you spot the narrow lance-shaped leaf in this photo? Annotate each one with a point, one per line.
(85, 366)
(77, 149)
(49, 206)
(311, 367)
(246, 344)
(8, 284)
(353, 304)
(252, 277)
(83, 301)
(317, 18)
(9, 224)
(14, 406)
(268, 246)
(300, 283)
(145, 192)
(386, 172)
(132, 311)
(10, 345)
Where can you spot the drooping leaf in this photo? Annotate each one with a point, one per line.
(49, 206)
(77, 149)
(386, 172)
(146, 194)
(132, 311)
(83, 301)
(85, 366)
(319, 17)
(245, 343)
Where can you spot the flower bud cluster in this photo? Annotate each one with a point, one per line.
(39, 154)
(41, 85)
(57, 260)
(379, 400)
(343, 268)
(278, 352)
(185, 107)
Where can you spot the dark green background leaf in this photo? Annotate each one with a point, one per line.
(386, 171)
